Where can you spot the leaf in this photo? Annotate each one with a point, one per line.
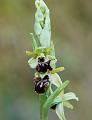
(57, 70)
(68, 104)
(60, 111)
(34, 43)
(70, 96)
(57, 100)
(55, 94)
(33, 62)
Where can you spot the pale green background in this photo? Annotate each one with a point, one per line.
(72, 35)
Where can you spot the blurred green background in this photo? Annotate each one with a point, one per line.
(71, 22)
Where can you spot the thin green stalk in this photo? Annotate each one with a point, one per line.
(43, 112)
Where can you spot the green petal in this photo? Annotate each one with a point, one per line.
(60, 69)
(29, 53)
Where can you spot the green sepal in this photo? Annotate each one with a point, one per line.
(70, 96)
(32, 62)
(60, 111)
(55, 80)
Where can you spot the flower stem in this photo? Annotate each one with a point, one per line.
(43, 111)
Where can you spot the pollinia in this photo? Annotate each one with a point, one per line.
(47, 83)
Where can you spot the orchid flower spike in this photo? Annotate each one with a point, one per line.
(47, 83)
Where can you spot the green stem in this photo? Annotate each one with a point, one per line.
(43, 112)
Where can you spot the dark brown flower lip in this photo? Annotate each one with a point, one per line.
(41, 85)
(43, 66)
